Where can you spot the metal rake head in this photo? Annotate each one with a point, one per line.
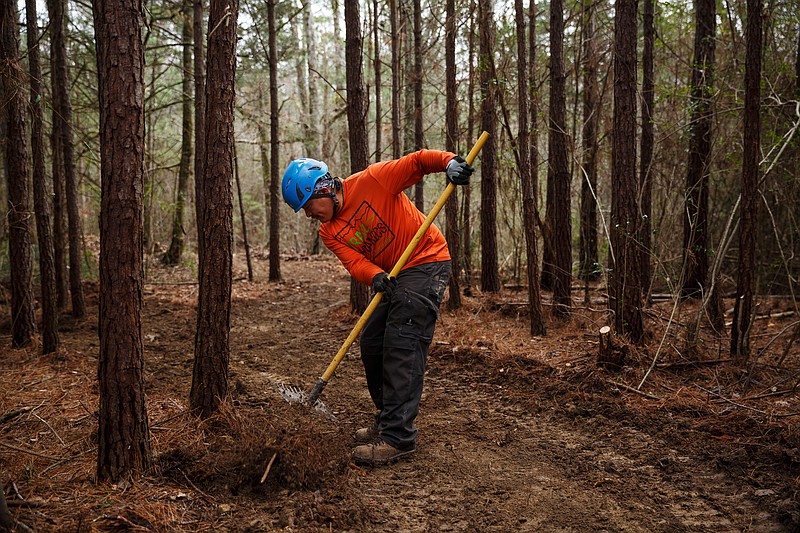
(296, 394)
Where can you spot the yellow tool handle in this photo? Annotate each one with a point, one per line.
(400, 264)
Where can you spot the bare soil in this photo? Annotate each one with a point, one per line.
(516, 433)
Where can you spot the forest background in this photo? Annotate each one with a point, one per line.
(357, 82)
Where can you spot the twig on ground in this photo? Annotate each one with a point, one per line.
(53, 431)
(200, 492)
(14, 414)
(31, 452)
(632, 389)
(794, 337)
(269, 465)
(729, 400)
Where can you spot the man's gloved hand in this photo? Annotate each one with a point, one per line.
(458, 171)
(382, 282)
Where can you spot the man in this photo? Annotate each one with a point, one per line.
(367, 221)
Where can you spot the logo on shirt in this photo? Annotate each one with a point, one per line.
(366, 232)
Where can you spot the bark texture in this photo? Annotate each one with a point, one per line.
(625, 299)
(212, 340)
(451, 144)
(695, 224)
(490, 270)
(175, 251)
(529, 213)
(743, 309)
(47, 265)
(356, 118)
(123, 448)
(63, 123)
(12, 78)
(557, 268)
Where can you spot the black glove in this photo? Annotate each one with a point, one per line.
(385, 284)
(458, 171)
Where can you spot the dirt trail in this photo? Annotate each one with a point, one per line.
(516, 434)
(495, 457)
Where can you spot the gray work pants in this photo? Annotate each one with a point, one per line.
(394, 349)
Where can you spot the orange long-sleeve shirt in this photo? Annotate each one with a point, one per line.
(376, 221)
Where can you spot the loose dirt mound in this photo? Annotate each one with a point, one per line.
(516, 434)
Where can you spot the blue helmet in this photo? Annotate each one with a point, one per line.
(299, 180)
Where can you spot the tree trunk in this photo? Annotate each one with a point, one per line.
(175, 252)
(397, 147)
(123, 448)
(490, 272)
(466, 210)
(242, 215)
(408, 82)
(274, 145)
(198, 34)
(534, 120)
(587, 254)
(451, 144)
(742, 311)
(12, 76)
(47, 265)
(557, 268)
(356, 119)
(537, 326)
(312, 142)
(419, 142)
(695, 223)
(647, 142)
(59, 208)
(58, 30)
(301, 84)
(212, 340)
(376, 62)
(625, 289)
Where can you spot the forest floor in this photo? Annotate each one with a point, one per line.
(516, 433)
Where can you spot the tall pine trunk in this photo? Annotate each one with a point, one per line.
(12, 78)
(742, 311)
(356, 118)
(419, 142)
(47, 265)
(397, 143)
(647, 142)
(212, 339)
(529, 213)
(625, 289)
(695, 224)
(274, 145)
(466, 211)
(587, 253)
(175, 251)
(490, 271)
(451, 144)
(123, 447)
(63, 123)
(198, 39)
(557, 268)
(376, 64)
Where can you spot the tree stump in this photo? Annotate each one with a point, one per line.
(611, 355)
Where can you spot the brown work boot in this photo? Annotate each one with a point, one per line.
(365, 435)
(380, 453)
